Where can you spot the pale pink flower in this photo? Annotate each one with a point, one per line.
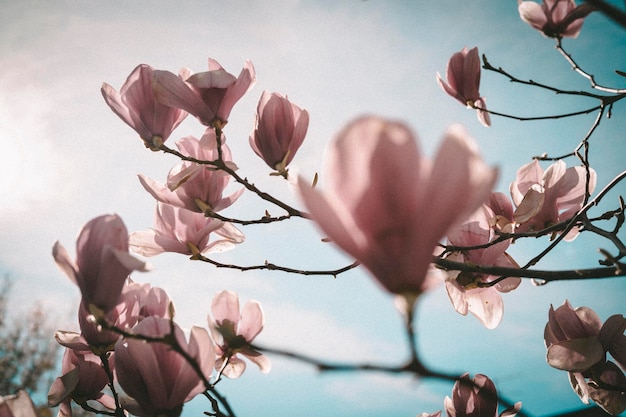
(152, 301)
(209, 96)
(183, 231)
(555, 18)
(280, 130)
(476, 398)
(483, 302)
(387, 206)
(136, 105)
(195, 186)
(158, 379)
(102, 261)
(613, 338)
(543, 199)
(83, 379)
(233, 332)
(463, 75)
(571, 337)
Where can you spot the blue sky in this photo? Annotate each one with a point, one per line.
(66, 159)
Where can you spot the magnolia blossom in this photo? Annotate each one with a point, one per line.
(484, 303)
(83, 379)
(193, 186)
(388, 206)
(234, 331)
(209, 96)
(577, 342)
(183, 231)
(571, 337)
(543, 199)
(476, 398)
(151, 301)
(463, 75)
(136, 105)
(158, 379)
(555, 18)
(102, 261)
(280, 130)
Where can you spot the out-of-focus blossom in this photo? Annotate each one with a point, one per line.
(234, 331)
(483, 302)
(158, 379)
(571, 337)
(209, 96)
(136, 105)
(543, 199)
(463, 76)
(476, 398)
(555, 18)
(102, 261)
(17, 405)
(193, 186)
(183, 231)
(388, 206)
(280, 130)
(83, 379)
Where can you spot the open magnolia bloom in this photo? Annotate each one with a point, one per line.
(577, 342)
(465, 294)
(192, 186)
(463, 75)
(137, 106)
(388, 206)
(183, 231)
(544, 198)
(555, 18)
(102, 261)
(158, 379)
(234, 331)
(209, 95)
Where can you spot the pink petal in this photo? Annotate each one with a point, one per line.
(251, 322)
(225, 306)
(575, 355)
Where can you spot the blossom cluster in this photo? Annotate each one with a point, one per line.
(127, 334)
(395, 211)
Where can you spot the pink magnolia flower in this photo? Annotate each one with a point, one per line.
(463, 75)
(209, 96)
(136, 105)
(463, 290)
(102, 261)
(151, 301)
(193, 186)
(83, 379)
(388, 206)
(233, 332)
(543, 199)
(571, 337)
(158, 379)
(577, 342)
(476, 398)
(280, 130)
(555, 18)
(183, 231)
